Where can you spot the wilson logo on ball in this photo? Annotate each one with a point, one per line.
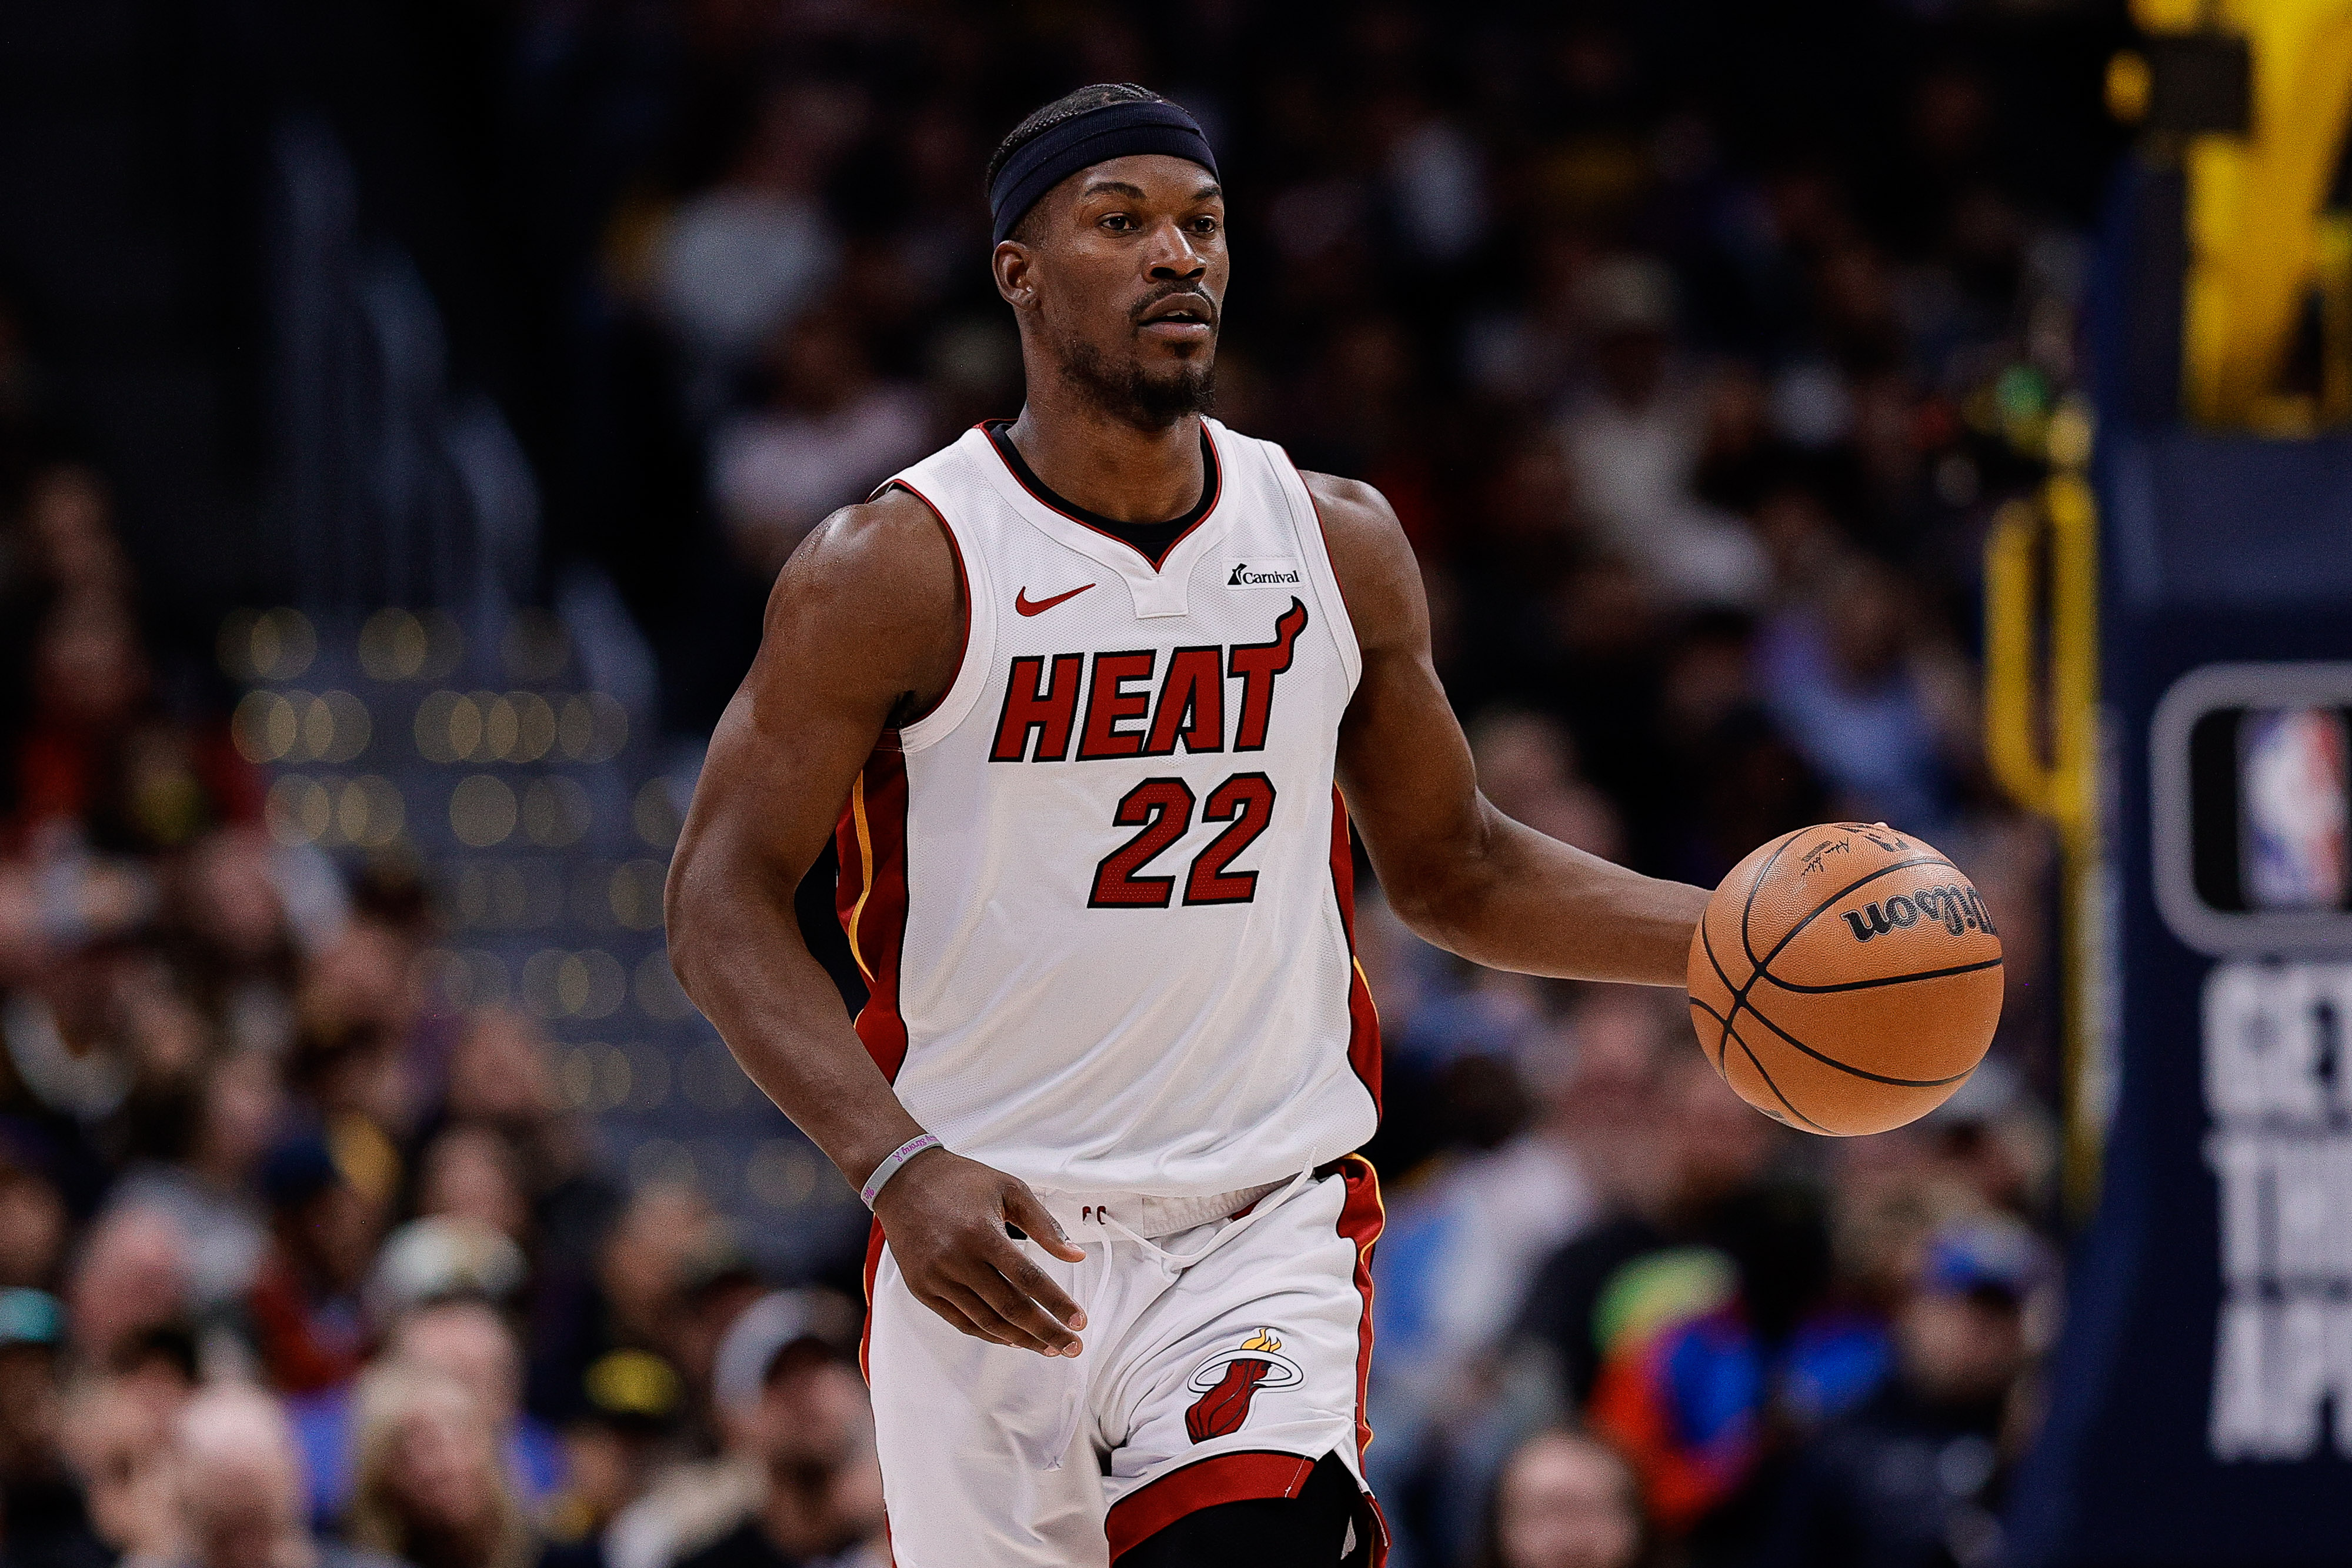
(1954, 909)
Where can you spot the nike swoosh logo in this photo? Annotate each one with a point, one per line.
(1029, 606)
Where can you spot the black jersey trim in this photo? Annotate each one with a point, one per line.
(1152, 540)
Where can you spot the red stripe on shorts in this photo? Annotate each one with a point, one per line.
(1362, 1218)
(1224, 1478)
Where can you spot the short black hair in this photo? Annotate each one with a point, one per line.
(1069, 106)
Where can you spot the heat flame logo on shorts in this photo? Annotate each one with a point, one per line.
(1229, 1380)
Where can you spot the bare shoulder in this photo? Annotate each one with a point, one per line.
(889, 557)
(873, 600)
(1374, 562)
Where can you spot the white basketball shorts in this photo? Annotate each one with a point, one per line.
(1221, 1360)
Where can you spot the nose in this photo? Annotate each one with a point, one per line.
(1173, 256)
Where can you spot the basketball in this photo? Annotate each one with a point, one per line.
(1846, 979)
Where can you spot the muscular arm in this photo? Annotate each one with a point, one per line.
(1456, 870)
(863, 630)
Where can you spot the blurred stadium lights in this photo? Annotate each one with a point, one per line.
(534, 804)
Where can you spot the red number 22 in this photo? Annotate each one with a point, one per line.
(1163, 808)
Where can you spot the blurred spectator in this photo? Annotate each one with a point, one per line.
(1565, 1499)
(240, 1490)
(632, 1298)
(1692, 1146)
(466, 1338)
(118, 1438)
(442, 1257)
(801, 1416)
(1711, 1357)
(462, 1339)
(830, 433)
(1877, 709)
(33, 1217)
(498, 1079)
(422, 1264)
(212, 1126)
(694, 1503)
(68, 517)
(753, 1381)
(42, 1521)
(98, 760)
(429, 1485)
(1915, 1476)
(632, 1402)
(305, 1307)
(1636, 442)
(740, 258)
(234, 944)
(132, 1277)
(1526, 766)
(720, 1284)
(469, 1173)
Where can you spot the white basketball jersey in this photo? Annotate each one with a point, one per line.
(1102, 892)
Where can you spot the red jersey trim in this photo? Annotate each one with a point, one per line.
(1362, 1217)
(1363, 1015)
(1205, 1483)
(865, 1333)
(870, 897)
(963, 595)
(1216, 495)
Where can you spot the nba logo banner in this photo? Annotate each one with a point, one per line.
(2293, 780)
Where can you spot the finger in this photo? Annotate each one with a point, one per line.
(1038, 1286)
(1022, 1207)
(1023, 1314)
(951, 1308)
(991, 1323)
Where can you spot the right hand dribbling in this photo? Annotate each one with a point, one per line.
(944, 1218)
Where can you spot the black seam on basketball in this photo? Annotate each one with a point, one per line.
(1723, 1042)
(1887, 980)
(1721, 1039)
(1748, 907)
(1858, 1072)
(1750, 1052)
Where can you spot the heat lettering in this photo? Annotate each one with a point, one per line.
(1188, 709)
(1109, 704)
(1034, 705)
(1191, 708)
(1255, 665)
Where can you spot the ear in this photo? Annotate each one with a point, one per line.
(1014, 278)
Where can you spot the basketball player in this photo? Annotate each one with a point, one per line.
(1073, 694)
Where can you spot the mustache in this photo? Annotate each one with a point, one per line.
(1170, 290)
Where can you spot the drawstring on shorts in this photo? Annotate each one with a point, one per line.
(1171, 1265)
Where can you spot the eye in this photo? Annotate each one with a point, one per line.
(1118, 223)
(1206, 225)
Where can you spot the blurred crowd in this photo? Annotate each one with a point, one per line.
(301, 1267)
(1694, 346)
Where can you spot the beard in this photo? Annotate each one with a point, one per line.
(1130, 394)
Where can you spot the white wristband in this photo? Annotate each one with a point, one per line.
(890, 1163)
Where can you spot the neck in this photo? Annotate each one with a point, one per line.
(1104, 463)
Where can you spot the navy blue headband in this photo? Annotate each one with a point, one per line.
(1114, 131)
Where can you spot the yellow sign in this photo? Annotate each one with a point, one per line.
(2261, 246)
